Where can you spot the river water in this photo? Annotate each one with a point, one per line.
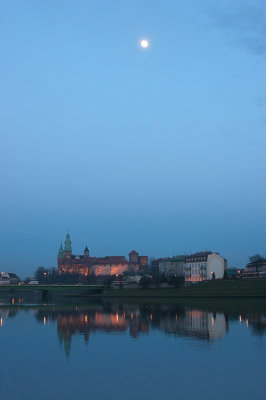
(103, 350)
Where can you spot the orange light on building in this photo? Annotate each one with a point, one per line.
(124, 314)
(176, 317)
(151, 316)
(247, 323)
(1, 322)
(131, 315)
(13, 300)
(86, 319)
(44, 320)
(19, 300)
(117, 318)
(212, 321)
(240, 319)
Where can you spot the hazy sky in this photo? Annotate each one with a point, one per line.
(162, 150)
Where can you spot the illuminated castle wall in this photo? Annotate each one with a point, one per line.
(69, 263)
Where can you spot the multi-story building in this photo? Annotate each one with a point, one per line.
(84, 264)
(169, 266)
(204, 266)
(255, 269)
(8, 278)
(195, 267)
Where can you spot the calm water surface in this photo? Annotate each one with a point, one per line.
(132, 351)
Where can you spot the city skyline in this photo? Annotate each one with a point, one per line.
(161, 148)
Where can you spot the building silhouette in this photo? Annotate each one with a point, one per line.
(69, 263)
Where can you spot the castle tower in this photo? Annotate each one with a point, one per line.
(133, 257)
(86, 252)
(68, 248)
(60, 252)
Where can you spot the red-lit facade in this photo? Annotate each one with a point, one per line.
(86, 265)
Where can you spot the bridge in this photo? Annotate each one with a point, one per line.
(46, 290)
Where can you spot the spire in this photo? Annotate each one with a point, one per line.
(60, 252)
(86, 252)
(68, 244)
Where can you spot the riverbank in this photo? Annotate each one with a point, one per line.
(207, 289)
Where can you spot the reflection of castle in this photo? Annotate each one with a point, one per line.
(97, 266)
(6, 313)
(136, 320)
(85, 321)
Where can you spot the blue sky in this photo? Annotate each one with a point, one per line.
(161, 150)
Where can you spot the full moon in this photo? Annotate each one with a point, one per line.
(144, 43)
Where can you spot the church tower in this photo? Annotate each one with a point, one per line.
(68, 248)
(60, 252)
(86, 252)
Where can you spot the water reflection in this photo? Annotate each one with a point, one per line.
(152, 345)
(137, 320)
(6, 313)
(196, 323)
(256, 321)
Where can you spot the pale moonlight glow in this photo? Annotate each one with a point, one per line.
(144, 43)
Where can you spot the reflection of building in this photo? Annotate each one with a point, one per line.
(197, 323)
(193, 323)
(131, 319)
(85, 321)
(204, 265)
(6, 313)
(97, 266)
(137, 320)
(258, 323)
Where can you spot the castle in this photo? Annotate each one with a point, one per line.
(86, 265)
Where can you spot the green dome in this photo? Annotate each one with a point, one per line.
(68, 247)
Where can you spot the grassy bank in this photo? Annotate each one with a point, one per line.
(207, 289)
